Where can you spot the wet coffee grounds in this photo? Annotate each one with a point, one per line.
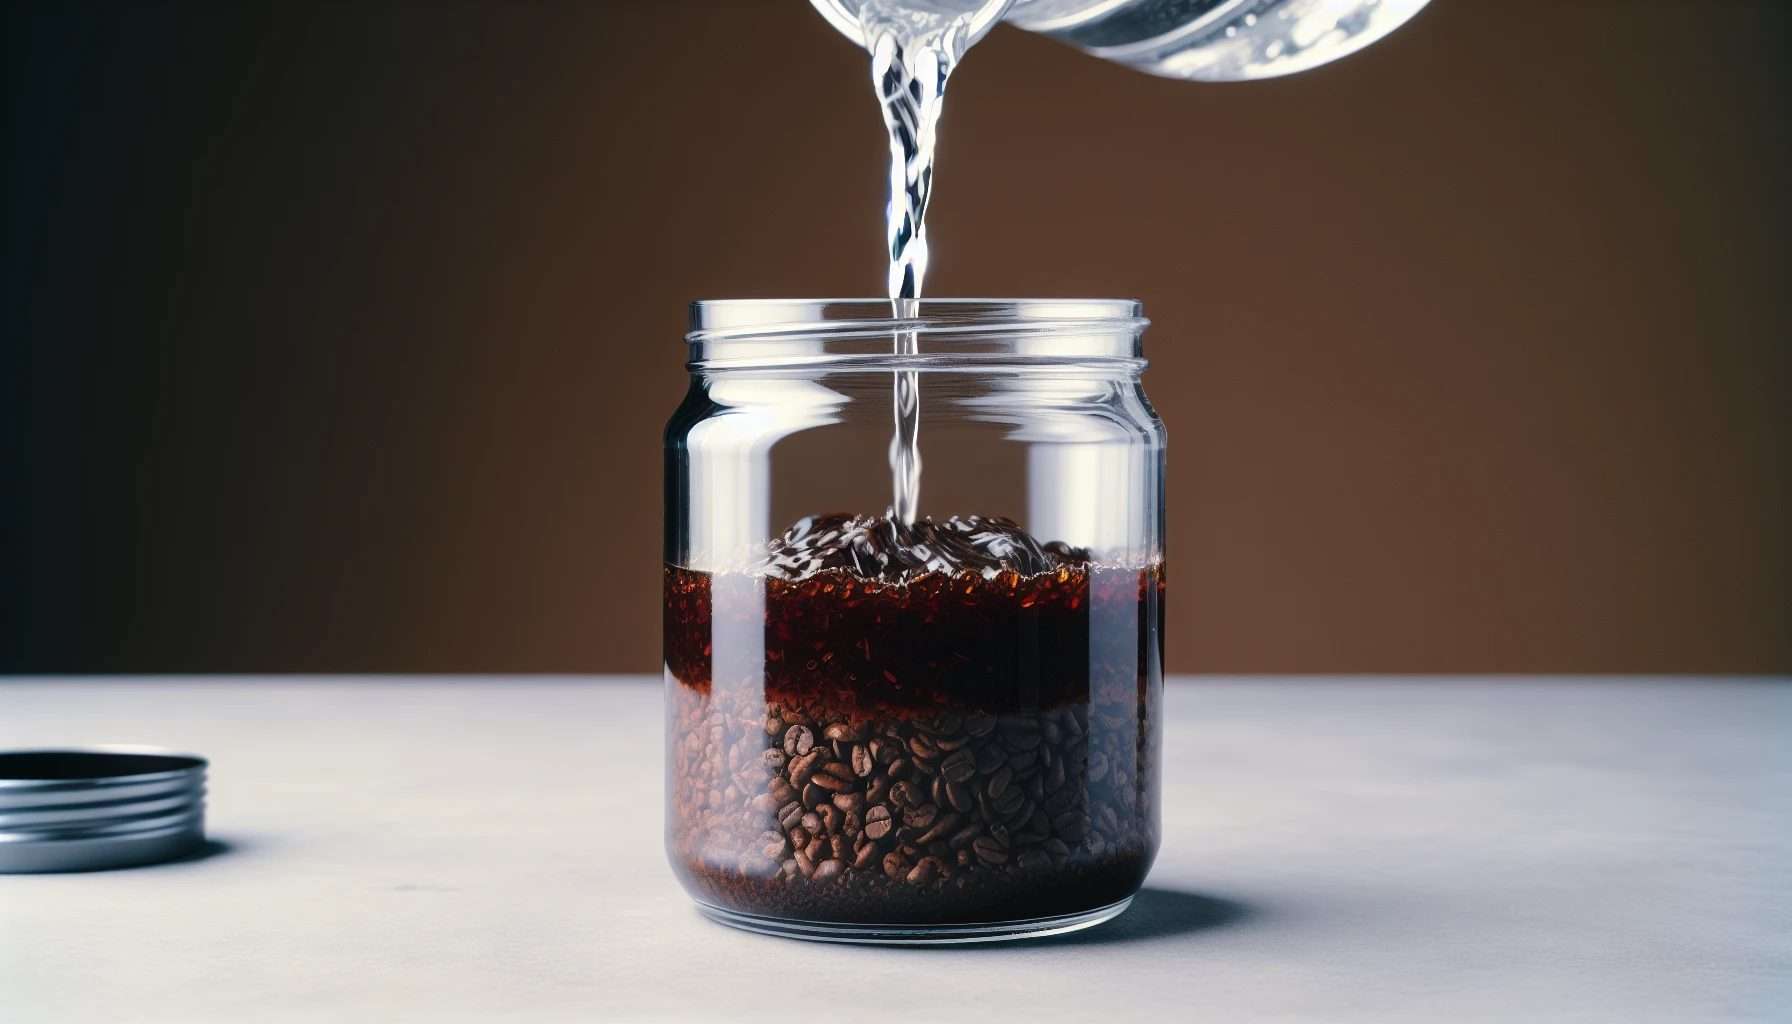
(944, 723)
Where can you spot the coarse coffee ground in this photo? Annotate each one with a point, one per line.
(942, 723)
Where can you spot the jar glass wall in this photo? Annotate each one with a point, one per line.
(942, 729)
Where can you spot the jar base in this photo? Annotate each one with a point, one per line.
(915, 934)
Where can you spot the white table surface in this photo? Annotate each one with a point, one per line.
(1335, 850)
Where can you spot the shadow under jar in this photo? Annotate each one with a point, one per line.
(943, 728)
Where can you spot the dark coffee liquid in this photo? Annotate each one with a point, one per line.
(934, 723)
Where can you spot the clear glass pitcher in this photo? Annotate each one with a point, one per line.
(1203, 40)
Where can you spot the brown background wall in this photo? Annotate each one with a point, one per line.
(343, 335)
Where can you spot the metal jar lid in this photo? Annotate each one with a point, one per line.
(87, 808)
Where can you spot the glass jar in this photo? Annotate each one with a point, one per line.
(942, 729)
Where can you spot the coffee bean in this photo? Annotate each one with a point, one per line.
(943, 724)
(849, 801)
(877, 822)
(922, 747)
(1022, 726)
(1070, 826)
(920, 815)
(879, 791)
(1075, 765)
(1056, 847)
(841, 732)
(895, 867)
(865, 855)
(984, 808)
(959, 796)
(926, 871)
(817, 849)
(989, 758)
(862, 762)
(959, 766)
(842, 849)
(828, 869)
(781, 791)
(901, 768)
(1098, 767)
(830, 782)
(904, 795)
(803, 766)
(790, 814)
(814, 796)
(979, 725)
(774, 845)
(938, 789)
(812, 822)
(764, 803)
(773, 759)
(941, 828)
(1033, 860)
(990, 850)
(805, 864)
(1009, 802)
(799, 837)
(830, 818)
(998, 783)
(798, 740)
(962, 838)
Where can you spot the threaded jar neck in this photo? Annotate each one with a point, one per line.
(955, 335)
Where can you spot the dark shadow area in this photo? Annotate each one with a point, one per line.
(206, 851)
(1154, 914)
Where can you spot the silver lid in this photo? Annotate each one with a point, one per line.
(81, 809)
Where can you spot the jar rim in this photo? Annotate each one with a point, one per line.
(943, 335)
(714, 320)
